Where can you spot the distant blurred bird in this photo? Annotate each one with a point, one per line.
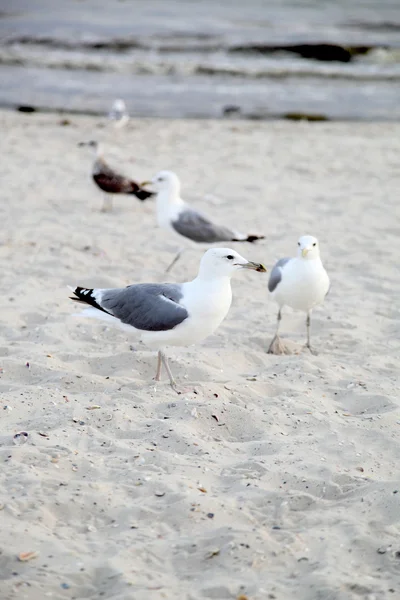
(118, 113)
(185, 222)
(111, 182)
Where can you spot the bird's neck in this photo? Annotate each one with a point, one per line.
(212, 278)
(98, 165)
(209, 298)
(98, 152)
(215, 297)
(169, 197)
(311, 263)
(168, 205)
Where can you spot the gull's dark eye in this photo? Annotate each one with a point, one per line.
(229, 257)
(315, 243)
(298, 243)
(160, 179)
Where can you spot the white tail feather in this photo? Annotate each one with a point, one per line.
(95, 313)
(240, 236)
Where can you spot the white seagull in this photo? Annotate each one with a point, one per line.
(301, 283)
(118, 113)
(170, 314)
(183, 221)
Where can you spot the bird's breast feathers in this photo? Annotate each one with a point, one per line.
(303, 285)
(167, 211)
(211, 304)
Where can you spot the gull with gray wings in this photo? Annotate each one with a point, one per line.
(186, 223)
(301, 283)
(164, 314)
(118, 113)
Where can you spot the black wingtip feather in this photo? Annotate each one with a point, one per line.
(250, 238)
(254, 238)
(143, 194)
(85, 296)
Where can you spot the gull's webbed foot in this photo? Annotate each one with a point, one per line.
(277, 346)
(308, 346)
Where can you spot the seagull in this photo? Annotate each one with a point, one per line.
(111, 182)
(175, 215)
(119, 113)
(301, 283)
(171, 314)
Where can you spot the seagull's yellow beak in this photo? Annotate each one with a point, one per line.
(304, 252)
(144, 183)
(255, 267)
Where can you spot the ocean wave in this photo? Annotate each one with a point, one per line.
(175, 43)
(200, 43)
(383, 67)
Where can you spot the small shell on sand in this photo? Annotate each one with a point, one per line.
(25, 556)
(20, 438)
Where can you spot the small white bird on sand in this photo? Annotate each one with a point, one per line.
(118, 113)
(171, 314)
(183, 221)
(301, 283)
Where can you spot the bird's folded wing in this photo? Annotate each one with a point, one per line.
(148, 307)
(111, 181)
(276, 274)
(198, 228)
(114, 183)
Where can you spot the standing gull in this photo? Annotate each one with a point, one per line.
(119, 114)
(170, 314)
(301, 283)
(178, 217)
(111, 182)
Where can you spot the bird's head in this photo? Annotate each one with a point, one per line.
(308, 247)
(119, 106)
(223, 262)
(165, 181)
(92, 144)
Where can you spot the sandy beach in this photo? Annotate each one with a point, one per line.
(278, 476)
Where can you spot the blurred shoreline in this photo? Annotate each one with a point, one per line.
(339, 61)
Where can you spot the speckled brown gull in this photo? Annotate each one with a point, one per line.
(111, 182)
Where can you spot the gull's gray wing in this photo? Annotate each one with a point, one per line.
(145, 306)
(276, 274)
(198, 228)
